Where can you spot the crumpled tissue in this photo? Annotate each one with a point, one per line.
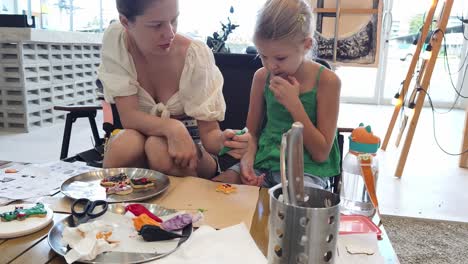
(83, 241)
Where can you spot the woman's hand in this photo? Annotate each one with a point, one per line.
(180, 144)
(237, 143)
(248, 175)
(286, 91)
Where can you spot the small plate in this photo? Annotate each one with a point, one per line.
(57, 244)
(87, 185)
(17, 228)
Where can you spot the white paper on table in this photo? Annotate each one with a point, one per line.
(4, 201)
(365, 242)
(129, 240)
(232, 245)
(37, 180)
(83, 242)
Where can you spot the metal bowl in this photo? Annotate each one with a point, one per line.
(87, 185)
(56, 243)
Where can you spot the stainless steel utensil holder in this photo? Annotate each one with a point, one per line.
(303, 234)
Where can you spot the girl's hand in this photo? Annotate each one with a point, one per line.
(180, 144)
(248, 175)
(286, 91)
(237, 143)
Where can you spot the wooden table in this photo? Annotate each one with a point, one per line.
(34, 248)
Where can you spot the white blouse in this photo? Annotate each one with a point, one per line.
(200, 88)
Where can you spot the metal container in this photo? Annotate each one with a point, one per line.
(87, 185)
(303, 234)
(56, 243)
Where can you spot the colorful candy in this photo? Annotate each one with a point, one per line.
(138, 209)
(155, 233)
(142, 220)
(178, 222)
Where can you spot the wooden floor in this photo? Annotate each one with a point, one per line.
(432, 186)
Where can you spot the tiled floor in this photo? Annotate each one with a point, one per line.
(432, 186)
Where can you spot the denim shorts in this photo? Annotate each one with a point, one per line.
(273, 178)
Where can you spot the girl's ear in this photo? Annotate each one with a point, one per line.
(308, 43)
(124, 21)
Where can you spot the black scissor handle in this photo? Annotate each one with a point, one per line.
(82, 202)
(95, 204)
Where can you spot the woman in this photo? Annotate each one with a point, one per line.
(155, 77)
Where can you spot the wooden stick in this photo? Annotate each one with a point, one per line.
(436, 42)
(391, 125)
(404, 121)
(409, 74)
(337, 24)
(348, 11)
(464, 156)
(380, 8)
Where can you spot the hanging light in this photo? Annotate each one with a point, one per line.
(428, 52)
(396, 100)
(409, 110)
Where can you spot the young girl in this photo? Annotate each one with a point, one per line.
(290, 88)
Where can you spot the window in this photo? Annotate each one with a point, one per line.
(244, 15)
(85, 15)
(406, 23)
(7, 7)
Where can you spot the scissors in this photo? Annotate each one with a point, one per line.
(83, 210)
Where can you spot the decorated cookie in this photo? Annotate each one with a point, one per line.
(226, 188)
(120, 189)
(113, 180)
(21, 213)
(140, 183)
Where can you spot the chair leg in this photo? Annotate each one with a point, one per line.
(66, 136)
(337, 187)
(92, 122)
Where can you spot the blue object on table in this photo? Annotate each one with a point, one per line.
(225, 149)
(87, 212)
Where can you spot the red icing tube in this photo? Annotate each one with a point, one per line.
(138, 209)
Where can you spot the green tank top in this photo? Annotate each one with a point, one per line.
(279, 121)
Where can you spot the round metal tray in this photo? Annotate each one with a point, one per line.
(87, 185)
(56, 243)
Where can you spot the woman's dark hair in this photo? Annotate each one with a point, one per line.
(132, 8)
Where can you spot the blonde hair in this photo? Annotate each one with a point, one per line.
(284, 19)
